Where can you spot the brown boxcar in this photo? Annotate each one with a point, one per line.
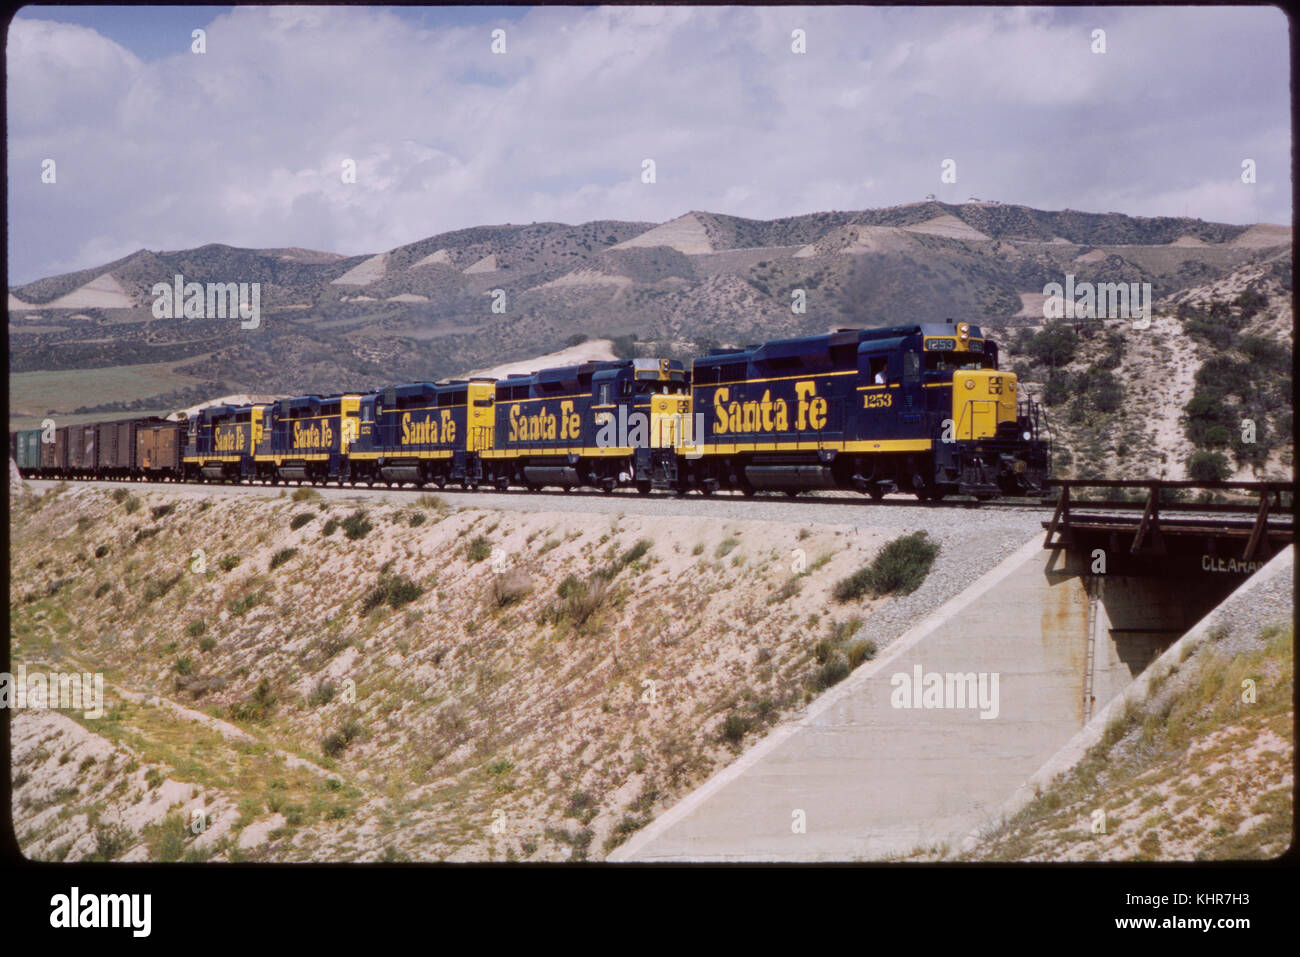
(116, 448)
(61, 451)
(81, 449)
(105, 448)
(158, 447)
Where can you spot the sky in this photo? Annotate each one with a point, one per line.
(160, 147)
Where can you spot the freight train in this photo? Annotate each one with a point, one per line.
(919, 408)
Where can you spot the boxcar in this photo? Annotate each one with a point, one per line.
(61, 446)
(81, 450)
(112, 459)
(27, 451)
(158, 447)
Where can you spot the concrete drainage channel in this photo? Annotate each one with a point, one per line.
(1003, 687)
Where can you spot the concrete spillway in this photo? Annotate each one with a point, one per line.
(1009, 671)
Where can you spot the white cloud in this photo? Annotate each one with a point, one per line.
(243, 144)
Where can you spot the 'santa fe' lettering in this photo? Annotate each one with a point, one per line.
(229, 439)
(544, 424)
(768, 414)
(428, 431)
(312, 436)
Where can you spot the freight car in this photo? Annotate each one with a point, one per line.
(159, 445)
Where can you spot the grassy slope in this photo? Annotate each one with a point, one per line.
(572, 720)
(1195, 773)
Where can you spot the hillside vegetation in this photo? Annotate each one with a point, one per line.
(425, 310)
(338, 681)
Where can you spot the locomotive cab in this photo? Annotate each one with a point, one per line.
(991, 445)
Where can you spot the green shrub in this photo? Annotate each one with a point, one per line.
(207, 643)
(336, 742)
(725, 546)
(734, 728)
(322, 694)
(102, 590)
(156, 589)
(120, 495)
(101, 551)
(304, 494)
(257, 707)
(1054, 346)
(579, 601)
(160, 511)
(229, 562)
(195, 628)
(417, 518)
(356, 525)
(853, 587)
(899, 568)
(111, 839)
(842, 631)
(1208, 467)
(301, 519)
(244, 603)
(833, 671)
(861, 651)
(131, 504)
(329, 527)
(479, 549)
(787, 591)
(282, 556)
(184, 666)
(393, 590)
(634, 553)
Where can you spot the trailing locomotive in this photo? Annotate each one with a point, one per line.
(919, 408)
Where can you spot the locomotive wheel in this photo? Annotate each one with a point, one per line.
(643, 487)
(792, 493)
(876, 493)
(748, 491)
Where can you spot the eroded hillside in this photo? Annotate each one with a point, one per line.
(319, 681)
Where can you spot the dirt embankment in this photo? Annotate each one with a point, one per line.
(303, 680)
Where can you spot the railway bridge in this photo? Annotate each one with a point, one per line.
(931, 741)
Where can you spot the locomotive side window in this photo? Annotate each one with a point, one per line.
(604, 394)
(732, 372)
(879, 370)
(911, 366)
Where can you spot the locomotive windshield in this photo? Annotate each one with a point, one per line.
(955, 361)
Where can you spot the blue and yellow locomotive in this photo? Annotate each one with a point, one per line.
(920, 408)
